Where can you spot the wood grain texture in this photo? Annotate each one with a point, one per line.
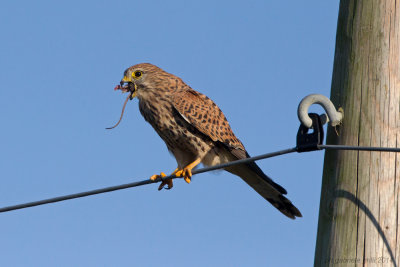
(358, 220)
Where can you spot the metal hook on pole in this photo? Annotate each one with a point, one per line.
(332, 116)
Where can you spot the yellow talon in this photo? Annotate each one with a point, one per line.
(186, 172)
(164, 182)
(178, 173)
(155, 176)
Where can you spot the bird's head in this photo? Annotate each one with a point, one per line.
(139, 78)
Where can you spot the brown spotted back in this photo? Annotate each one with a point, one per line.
(206, 116)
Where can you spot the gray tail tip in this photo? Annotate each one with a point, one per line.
(292, 212)
(285, 206)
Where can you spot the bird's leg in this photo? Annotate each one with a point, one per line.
(186, 172)
(164, 182)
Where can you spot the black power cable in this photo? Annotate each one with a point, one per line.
(144, 182)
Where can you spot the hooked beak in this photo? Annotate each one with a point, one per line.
(127, 85)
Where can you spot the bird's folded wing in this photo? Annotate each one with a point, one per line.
(201, 112)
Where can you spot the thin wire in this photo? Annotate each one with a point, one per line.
(144, 182)
(206, 169)
(361, 148)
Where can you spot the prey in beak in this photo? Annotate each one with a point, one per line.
(126, 85)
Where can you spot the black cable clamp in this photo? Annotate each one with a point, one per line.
(310, 141)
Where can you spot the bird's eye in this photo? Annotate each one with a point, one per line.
(137, 74)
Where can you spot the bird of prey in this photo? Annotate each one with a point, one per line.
(195, 130)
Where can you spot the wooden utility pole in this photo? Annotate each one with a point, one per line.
(359, 215)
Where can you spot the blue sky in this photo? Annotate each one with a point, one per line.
(60, 61)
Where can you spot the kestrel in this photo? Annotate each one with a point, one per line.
(195, 130)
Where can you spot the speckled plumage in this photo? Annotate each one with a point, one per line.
(193, 127)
